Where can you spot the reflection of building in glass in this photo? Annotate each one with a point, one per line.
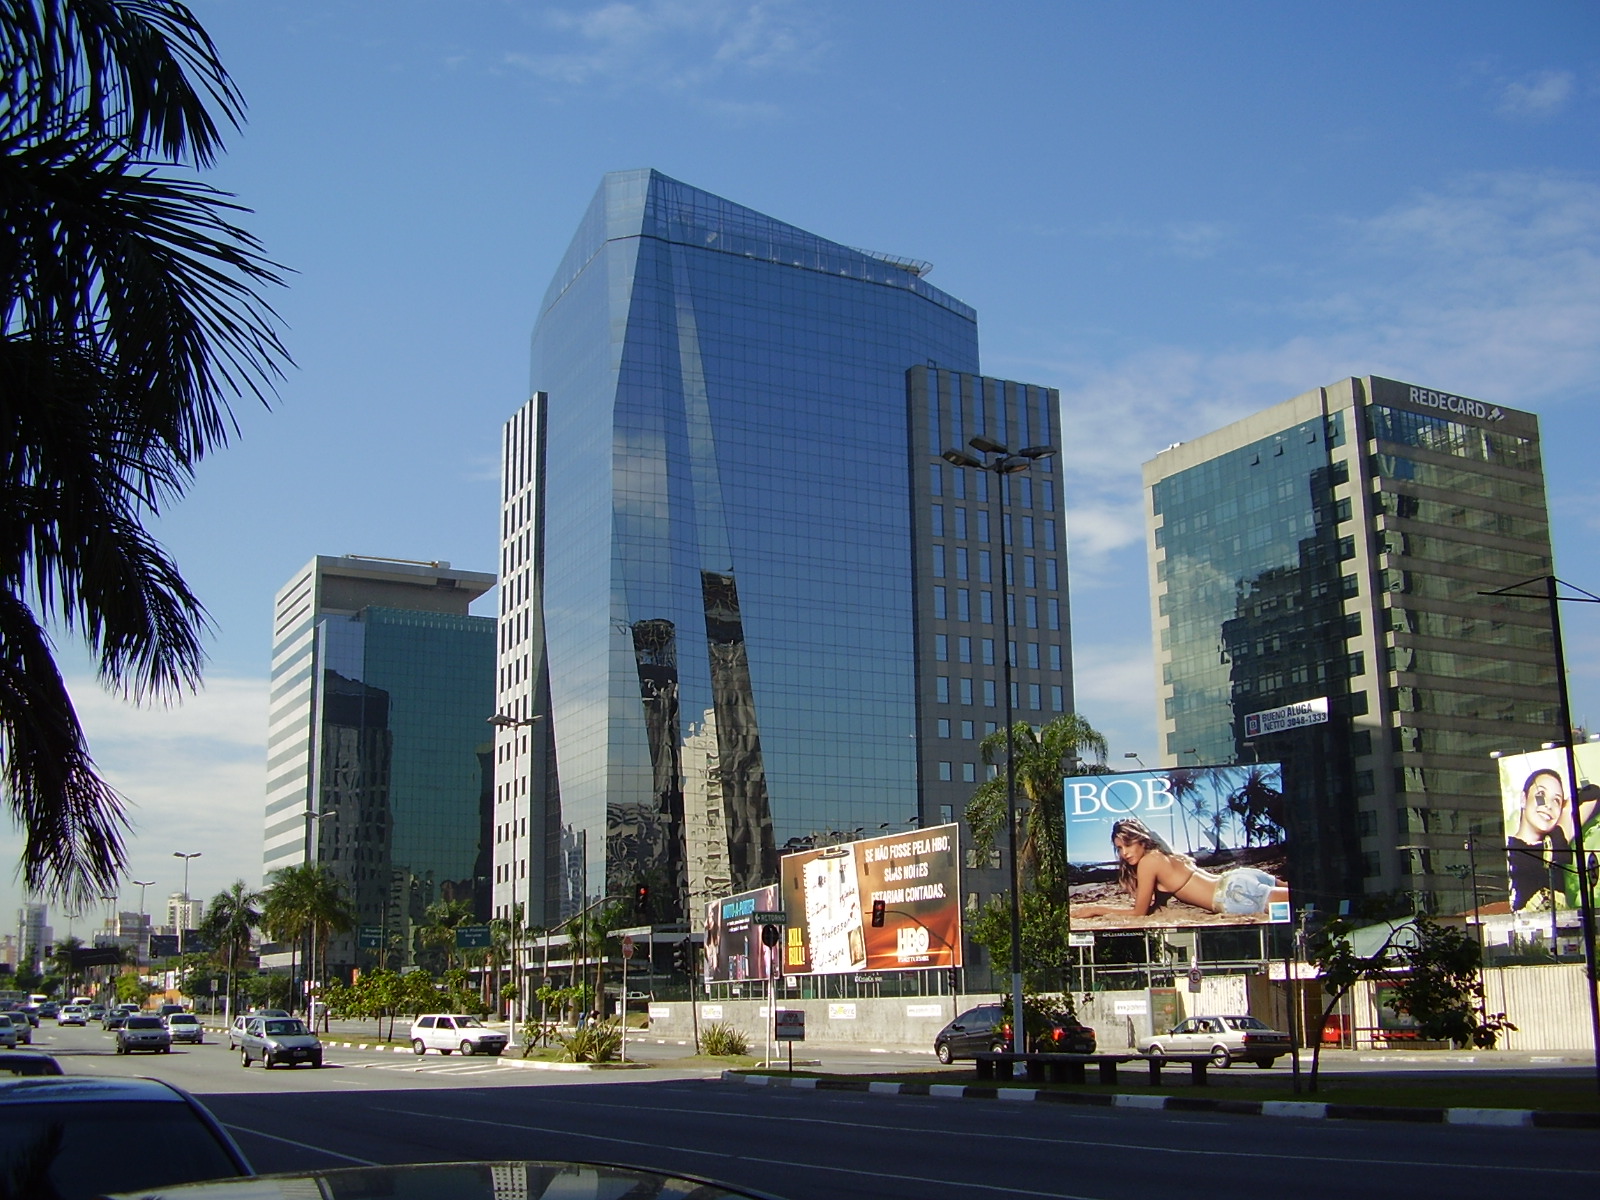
(382, 683)
(744, 601)
(1338, 545)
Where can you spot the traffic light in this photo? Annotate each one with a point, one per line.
(877, 914)
(641, 900)
(683, 956)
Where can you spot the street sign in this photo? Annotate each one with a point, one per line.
(370, 937)
(789, 1025)
(627, 945)
(769, 918)
(472, 937)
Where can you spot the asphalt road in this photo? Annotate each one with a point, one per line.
(381, 1107)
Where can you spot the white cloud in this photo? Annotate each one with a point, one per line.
(1112, 684)
(1177, 239)
(675, 45)
(1541, 94)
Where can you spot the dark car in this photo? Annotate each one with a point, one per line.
(986, 1027)
(72, 1137)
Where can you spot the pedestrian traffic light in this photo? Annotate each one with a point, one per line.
(641, 900)
(877, 914)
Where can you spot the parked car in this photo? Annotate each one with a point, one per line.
(446, 1032)
(74, 1137)
(73, 1014)
(186, 1027)
(987, 1028)
(1227, 1039)
(278, 1041)
(143, 1032)
(10, 1034)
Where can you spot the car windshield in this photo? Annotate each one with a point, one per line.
(1245, 1023)
(142, 1023)
(183, 1019)
(285, 1027)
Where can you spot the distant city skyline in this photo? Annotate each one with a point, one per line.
(1175, 223)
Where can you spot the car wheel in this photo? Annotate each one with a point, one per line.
(942, 1053)
(466, 1049)
(315, 1063)
(1154, 1051)
(266, 1062)
(442, 1050)
(417, 1047)
(244, 1058)
(1264, 1063)
(1000, 1046)
(1220, 1057)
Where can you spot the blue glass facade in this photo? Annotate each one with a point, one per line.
(729, 569)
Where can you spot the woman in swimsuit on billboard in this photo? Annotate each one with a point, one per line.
(1151, 871)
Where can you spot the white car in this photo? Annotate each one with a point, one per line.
(73, 1014)
(446, 1032)
(1227, 1039)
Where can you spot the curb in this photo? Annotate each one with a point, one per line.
(1304, 1109)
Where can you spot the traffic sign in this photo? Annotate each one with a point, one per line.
(627, 945)
(370, 937)
(472, 937)
(789, 1025)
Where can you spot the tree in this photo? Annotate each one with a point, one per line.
(229, 920)
(436, 937)
(131, 311)
(306, 902)
(1043, 757)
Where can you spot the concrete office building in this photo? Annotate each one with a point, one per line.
(745, 601)
(378, 748)
(1338, 547)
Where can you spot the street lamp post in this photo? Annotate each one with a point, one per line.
(519, 1007)
(184, 916)
(1000, 462)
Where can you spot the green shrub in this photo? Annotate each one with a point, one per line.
(598, 1041)
(723, 1041)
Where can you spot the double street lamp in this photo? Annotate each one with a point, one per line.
(183, 916)
(995, 459)
(520, 1006)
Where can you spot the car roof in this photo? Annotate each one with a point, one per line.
(72, 1089)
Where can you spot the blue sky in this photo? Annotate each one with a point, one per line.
(1175, 213)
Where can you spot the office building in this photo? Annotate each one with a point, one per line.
(1332, 555)
(184, 913)
(378, 748)
(34, 933)
(746, 604)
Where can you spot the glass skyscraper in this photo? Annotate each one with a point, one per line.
(1339, 547)
(379, 757)
(738, 608)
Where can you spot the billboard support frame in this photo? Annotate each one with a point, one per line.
(1552, 598)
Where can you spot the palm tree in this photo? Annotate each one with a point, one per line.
(439, 932)
(306, 902)
(227, 924)
(1043, 757)
(130, 311)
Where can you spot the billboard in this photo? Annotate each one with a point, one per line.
(734, 949)
(1290, 716)
(829, 896)
(1186, 846)
(1540, 822)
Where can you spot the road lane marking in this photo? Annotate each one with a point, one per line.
(365, 1162)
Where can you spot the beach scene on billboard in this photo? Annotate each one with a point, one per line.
(734, 949)
(829, 895)
(1543, 815)
(1180, 847)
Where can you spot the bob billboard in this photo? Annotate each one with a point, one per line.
(829, 897)
(1181, 847)
(1540, 821)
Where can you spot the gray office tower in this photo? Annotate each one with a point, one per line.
(745, 602)
(378, 751)
(1319, 580)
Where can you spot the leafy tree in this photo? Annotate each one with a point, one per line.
(229, 920)
(436, 937)
(306, 902)
(1043, 757)
(1046, 955)
(131, 989)
(131, 311)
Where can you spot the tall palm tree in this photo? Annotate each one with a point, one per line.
(1068, 745)
(130, 312)
(229, 919)
(306, 902)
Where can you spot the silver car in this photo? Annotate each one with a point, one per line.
(144, 1032)
(185, 1027)
(1227, 1039)
(11, 1030)
(278, 1041)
